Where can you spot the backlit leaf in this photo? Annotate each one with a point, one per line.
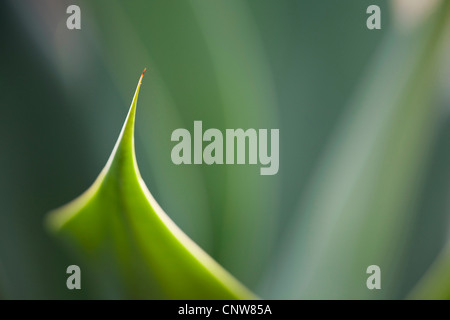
(128, 244)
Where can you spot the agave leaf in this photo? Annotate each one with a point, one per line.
(185, 183)
(127, 242)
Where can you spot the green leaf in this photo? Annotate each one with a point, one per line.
(248, 222)
(128, 244)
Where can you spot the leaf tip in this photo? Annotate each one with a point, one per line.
(142, 75)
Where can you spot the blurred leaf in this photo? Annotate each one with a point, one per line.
(436, 283)
(246, 86)
(358, 208)
(131, 247)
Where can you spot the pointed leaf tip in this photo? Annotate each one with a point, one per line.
(142, 75)
(125, 239)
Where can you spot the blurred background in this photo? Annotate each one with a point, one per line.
(364, 123)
